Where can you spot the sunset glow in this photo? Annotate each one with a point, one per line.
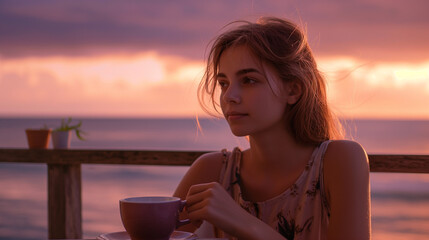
(412, 75)
(153, 84)
(106, 85)
(65, 62)
(359, 89)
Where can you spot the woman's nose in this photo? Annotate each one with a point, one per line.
(232, 94)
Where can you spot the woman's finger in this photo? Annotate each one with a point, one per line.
(199, 192)
(200, 187)
(196, 206)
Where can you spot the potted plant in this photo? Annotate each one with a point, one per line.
(38, 138)
(61, 136)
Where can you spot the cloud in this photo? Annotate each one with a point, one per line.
(137, 85)
(377, 90)
(82, 27)
(146, 57)
(151, 84)
(383, 30)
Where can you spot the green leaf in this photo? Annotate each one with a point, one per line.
(67, 126)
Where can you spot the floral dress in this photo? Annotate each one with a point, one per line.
(300, 212)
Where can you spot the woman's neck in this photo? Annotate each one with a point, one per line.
(278, 150)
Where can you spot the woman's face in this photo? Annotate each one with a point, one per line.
(250, 99)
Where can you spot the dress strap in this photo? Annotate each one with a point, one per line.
(323, 194)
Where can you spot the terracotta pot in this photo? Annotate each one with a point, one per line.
(61, 139)
(38, 138)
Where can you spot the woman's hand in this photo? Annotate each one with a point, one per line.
(210, 202)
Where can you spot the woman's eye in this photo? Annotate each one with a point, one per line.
(222, 84)
(248, 80)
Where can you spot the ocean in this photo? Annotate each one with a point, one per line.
(400, 202)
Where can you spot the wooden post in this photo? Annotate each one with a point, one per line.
(64, 201)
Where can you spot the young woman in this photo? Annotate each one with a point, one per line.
(297, 180)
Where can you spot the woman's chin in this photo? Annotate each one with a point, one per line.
(239, 132)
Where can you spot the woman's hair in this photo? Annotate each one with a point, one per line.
(282, 45)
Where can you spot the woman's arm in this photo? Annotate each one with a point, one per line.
(205, 169)
(346, 175)
(208, 200)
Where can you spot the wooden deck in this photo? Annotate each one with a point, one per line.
(64, 175)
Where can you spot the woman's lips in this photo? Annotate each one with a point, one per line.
(235, 115)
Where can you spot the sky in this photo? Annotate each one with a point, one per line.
(145, 58)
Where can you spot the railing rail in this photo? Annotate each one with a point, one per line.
(64, 175)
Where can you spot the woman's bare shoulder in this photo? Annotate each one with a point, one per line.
(204, 169)
(345, 161)
(346, 151)
(209, 161)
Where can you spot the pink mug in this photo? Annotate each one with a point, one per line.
(151, 218)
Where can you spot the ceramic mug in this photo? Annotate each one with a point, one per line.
(151, 218)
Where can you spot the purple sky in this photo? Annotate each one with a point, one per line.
(144, 58)
(372, 29)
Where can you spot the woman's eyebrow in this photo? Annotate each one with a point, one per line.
(220, 75)
(246, 70)
(240, 72)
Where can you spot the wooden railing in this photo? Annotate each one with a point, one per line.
(64, 175)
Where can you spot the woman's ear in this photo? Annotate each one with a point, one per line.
(293, 92)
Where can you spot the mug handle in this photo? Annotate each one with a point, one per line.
(185, 221)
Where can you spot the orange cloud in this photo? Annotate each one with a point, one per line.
(142, 84)
(378, 89)
(150, 84)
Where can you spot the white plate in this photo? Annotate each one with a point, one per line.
(177, 235)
